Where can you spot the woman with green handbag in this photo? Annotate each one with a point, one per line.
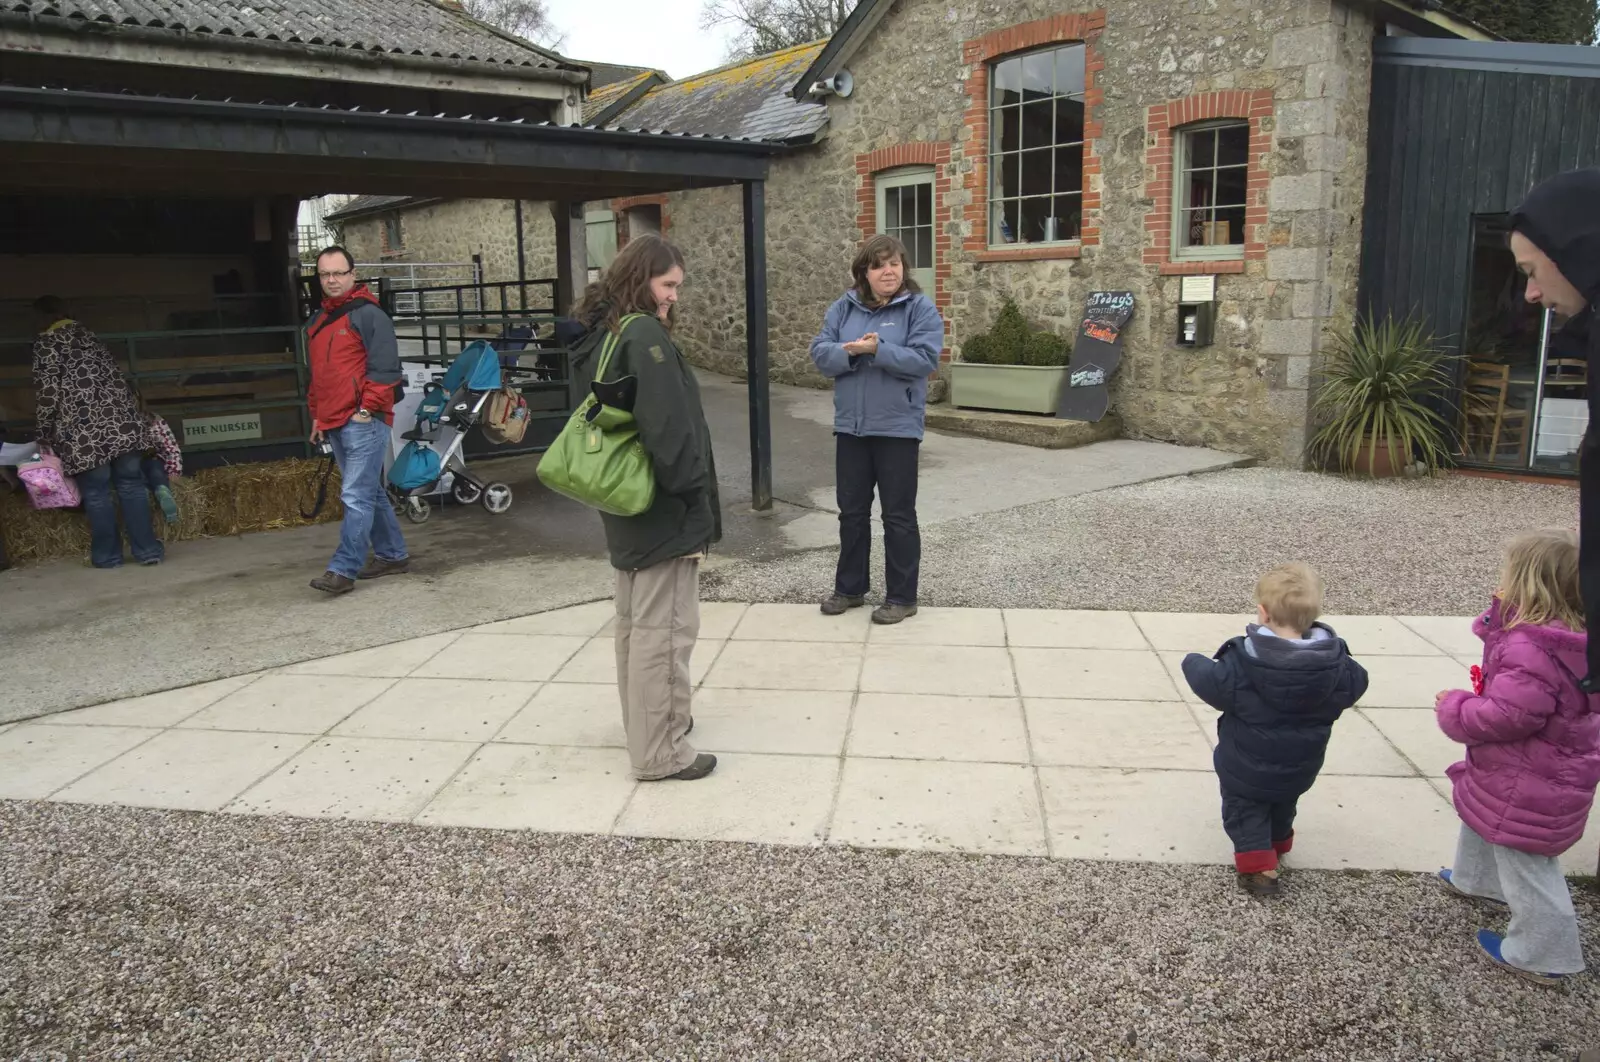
(627, 320)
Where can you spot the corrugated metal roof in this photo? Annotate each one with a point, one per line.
(404, 27)
(748, 101)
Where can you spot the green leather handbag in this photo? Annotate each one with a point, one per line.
(598, 458)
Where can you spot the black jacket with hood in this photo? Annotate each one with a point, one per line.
(1562, 218)
(686, 517)
(1279, 700)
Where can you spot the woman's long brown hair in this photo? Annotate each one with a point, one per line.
(625, 287)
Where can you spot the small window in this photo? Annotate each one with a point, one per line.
(1036, 121)
(1213, 167)
(392, 242)
(600, 226)
(643, 219)
(905, 211)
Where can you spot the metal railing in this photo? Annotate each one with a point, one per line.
(175, 381)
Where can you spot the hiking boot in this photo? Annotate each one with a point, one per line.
(839, 604)
(1490, 943)
(1260, 884)
(377, 568)
(703, 765)
(333, 583)
(1448, 877)
(169, 504)
(887, 615)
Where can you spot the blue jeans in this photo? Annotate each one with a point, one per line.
(105, 543)
(369, 519)
(154, 472)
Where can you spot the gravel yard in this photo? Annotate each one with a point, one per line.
(157, 935)
(1198, 544)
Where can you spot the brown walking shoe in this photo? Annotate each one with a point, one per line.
(839, 604)
(887, 615)
(377, 568)
(703, 765)
(333, 583)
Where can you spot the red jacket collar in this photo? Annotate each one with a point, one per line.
(358, 292)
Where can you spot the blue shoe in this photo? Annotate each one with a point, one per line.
(1448, 877)
(1490, 943)
(169, 504)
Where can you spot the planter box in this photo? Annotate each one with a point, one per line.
(1011, 388)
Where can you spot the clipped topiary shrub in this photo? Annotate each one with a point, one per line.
(1011, 342)
(1046, 348)
(979, 350)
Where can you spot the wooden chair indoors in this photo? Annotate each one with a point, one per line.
(1491, 427)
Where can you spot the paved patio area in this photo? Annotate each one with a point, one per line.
(1051, 733)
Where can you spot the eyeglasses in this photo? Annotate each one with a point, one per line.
(330, 276)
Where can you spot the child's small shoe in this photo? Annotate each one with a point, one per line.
(1448, 877)
(1264, 884)
(169, 504)
(1490, 943)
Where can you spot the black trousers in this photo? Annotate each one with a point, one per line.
(862, 465)
(1260, 832)
(1589, 543)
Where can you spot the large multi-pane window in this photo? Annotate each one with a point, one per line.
(1213, 166)
(1036, 117)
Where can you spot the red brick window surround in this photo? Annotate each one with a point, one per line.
(919, 153)
(1166, 123)
(620, 207)
(980, 55)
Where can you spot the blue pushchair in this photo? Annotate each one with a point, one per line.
(432, 461)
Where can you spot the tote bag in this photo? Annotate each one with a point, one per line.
(598, 458)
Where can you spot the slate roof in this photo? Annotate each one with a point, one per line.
(422, 28)
(603, 74)
(604, 96)
(748, 100)
(369, 204)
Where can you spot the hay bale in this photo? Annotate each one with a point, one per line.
(213, 502)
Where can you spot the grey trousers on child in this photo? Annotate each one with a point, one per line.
(1543, 937)
(658, 620)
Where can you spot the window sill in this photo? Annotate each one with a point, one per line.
(1192, 267)
(1025, 253)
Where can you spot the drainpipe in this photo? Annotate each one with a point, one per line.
(522, 258)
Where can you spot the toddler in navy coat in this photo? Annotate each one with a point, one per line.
(1279, 688)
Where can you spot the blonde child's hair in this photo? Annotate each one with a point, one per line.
(1539, 579)
(1292, 595)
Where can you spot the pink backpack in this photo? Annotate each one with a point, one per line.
(48, 486)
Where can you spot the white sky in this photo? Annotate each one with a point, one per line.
(664, 34)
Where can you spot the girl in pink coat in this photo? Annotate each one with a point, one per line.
(1533, 757)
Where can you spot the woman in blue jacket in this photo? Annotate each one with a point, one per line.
(879, 344)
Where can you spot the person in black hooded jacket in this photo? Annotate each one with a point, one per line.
(1280, 688)
(1555, 238)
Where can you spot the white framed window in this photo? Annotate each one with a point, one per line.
(600, 230)
(1212, 163)
(1036, 144)
(905, 211)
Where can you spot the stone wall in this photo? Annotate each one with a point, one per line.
(1249, 391)
(453, 230)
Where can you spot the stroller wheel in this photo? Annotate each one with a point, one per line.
(497, 498)
(418, 510)
(465, 491)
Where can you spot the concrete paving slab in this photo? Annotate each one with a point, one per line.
(191, 770)
(1116, 734)
(515, 657)
(439, 710)
(377, 779)
(1126, 813)
(1380, 636)
(1410, 681)
(1358, 748)
(1184, 632)
(762, 799)
(940, 807)
(385, 661)
(800, 623)
(289, 704)
(1096, 674)
(1450, 634)
(943, 626)
(771, 721)
(953, 670)
(569, 714)
(1398, 823)
(535, 787)
(1072, 629)
(798, 666)
(156, 709)
(37, 759)
(1418, 737)
(922, 727)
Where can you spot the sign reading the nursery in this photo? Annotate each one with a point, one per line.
(203, 430)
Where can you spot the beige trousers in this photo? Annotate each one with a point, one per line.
(658, 620)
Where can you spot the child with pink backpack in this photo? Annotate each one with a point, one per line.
(1533, 758)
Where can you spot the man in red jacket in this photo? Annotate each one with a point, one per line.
(355, 365)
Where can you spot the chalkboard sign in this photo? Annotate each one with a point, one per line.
(1095, 356)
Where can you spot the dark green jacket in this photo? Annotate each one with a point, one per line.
(687, 514)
